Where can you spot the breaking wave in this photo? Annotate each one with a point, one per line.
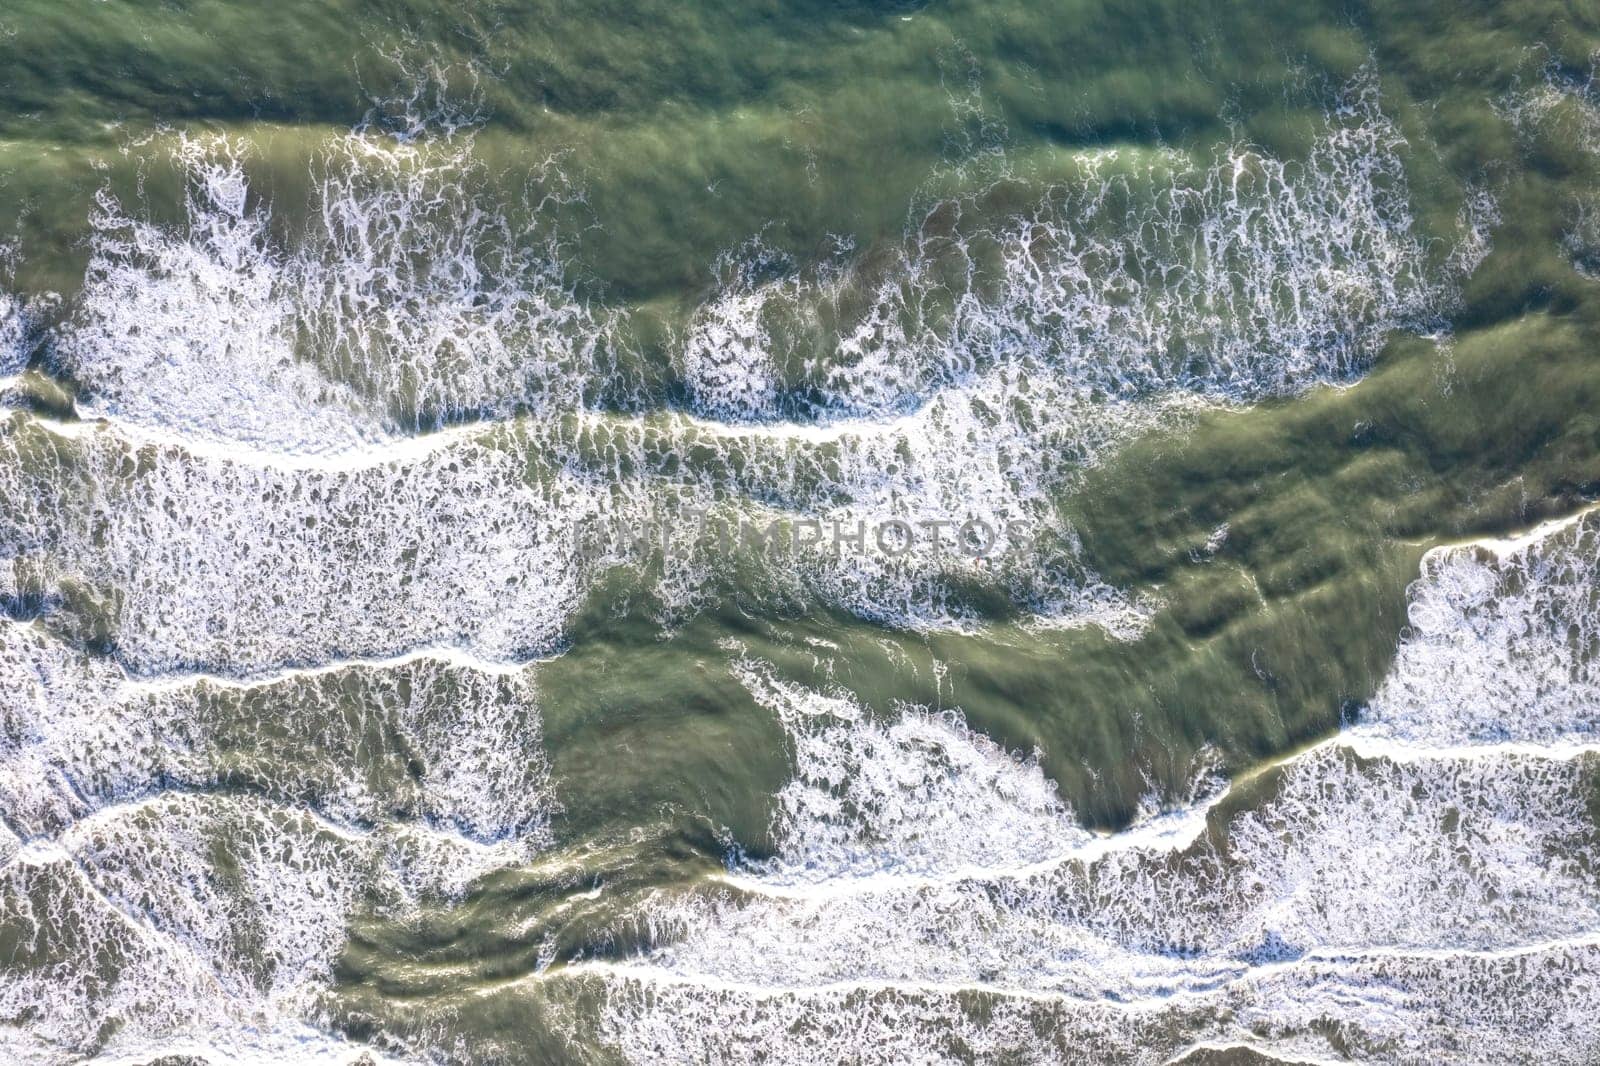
(932, 900)
(971, 374)
(220, 565)
(180, 860)
(408, 301)
(13, 335)
(283, 599)
(1565, 108)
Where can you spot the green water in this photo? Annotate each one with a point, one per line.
(325, 326)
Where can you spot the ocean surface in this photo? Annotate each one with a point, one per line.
(871, 531)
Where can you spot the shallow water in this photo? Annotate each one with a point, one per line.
(457, 463)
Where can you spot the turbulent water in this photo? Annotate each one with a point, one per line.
(830, 532)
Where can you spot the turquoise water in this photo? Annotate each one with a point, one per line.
(828, 532)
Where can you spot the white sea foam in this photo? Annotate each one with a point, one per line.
(931, 899)
(442, 743)
(201, 918)
(184, 860)
(971, 376)
(252, 511)
(976, 373)
(1239, 276)
(1566, 109)
(193, 329)
(990, 453)
(13, 335)
(1005, 890)
(408, 301)
(1419, 864)
(727, 352)
(1504, 645)
(218, 565)
(922, 794)
(1379, 1009)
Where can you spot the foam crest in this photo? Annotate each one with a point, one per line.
(925, 879)
(182, 861)
(407, 301)
(443, 745)
(1503, 646)
(922, 794)
(977, 371)
(1444, 853)
(183, 924)
(202, 563)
